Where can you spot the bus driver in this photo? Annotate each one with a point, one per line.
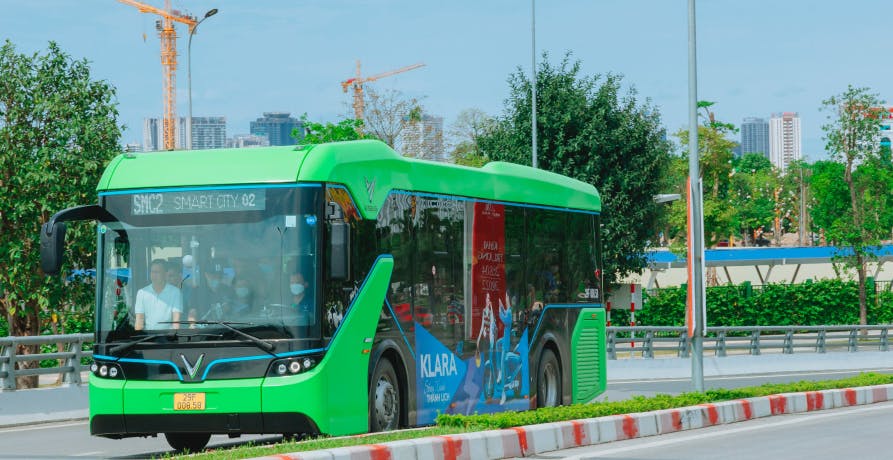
(158, 303)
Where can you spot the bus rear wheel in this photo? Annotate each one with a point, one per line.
(548, 382)
(192, 442)
(384, 398)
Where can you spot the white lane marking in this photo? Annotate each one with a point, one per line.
(88, 453)
(42, 426)
(696, 436)
(753, 376)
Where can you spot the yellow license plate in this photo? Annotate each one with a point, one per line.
(189, 401)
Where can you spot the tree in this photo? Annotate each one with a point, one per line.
(348, 129)
(469, 127)
(753, 182)
(588, 131)
(715, 151)
(852, 135)
(58, 129)
(387, 112)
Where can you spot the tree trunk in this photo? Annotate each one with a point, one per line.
(860, 259)
(26, 323)
(863, 298)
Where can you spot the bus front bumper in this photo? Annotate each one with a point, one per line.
(120, 409)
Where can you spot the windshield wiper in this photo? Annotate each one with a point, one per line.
(261, 343)
(128, 345)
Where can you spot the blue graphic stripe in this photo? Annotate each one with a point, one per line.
(230, 360)
(480, 200)
(153, 361)
(399, 326)
(207, 187)
(564, 307)
(301, 352)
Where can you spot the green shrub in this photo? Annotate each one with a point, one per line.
(812, 303)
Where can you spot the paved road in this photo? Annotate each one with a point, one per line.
(72, 439)
(854, 432)
(627, 378)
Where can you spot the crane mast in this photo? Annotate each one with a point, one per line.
(168, 36)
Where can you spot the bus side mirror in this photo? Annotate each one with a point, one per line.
(52, 242)
(339, 251)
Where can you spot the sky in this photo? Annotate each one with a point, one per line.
(755, 57)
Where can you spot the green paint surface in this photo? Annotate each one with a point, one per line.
(588, 355)
(369, 169)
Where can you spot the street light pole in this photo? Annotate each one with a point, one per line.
(696, 314)
(533, 84)
(210, 13)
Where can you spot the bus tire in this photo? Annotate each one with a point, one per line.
(548, 381)
(384, 398)
(192, 442)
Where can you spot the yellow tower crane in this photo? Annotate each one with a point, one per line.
(357, 84)
(168, 36)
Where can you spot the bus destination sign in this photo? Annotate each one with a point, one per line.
(153, 204)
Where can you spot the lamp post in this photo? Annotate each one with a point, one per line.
(696, 303)
(533, 84)
(210, 13)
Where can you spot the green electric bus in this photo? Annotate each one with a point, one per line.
(334, 289)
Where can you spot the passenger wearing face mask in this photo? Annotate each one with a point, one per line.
(301, 298)
(244, 297)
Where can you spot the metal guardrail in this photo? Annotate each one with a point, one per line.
(72, 356)
(646, 341)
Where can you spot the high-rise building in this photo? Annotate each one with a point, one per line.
(152, 137)
(208, 133)
(755, 136)
(423, 138)
(241, 141)
(784, 139)
(277, 127)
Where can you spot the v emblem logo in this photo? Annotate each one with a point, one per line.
(192, 370)
(370, 187)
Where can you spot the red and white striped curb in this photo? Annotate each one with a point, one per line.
(536, 439)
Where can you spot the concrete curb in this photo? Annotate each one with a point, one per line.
(537, 439)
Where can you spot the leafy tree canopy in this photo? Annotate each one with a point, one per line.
(319, 133)
(58, 130)
(853, 139)
(588, 130)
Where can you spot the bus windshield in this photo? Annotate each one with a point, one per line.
(201, 262)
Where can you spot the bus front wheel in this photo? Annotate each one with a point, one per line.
(192, 442)
(384, 398)
(548, 382)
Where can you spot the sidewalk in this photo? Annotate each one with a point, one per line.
(666, 368)
(49, 403)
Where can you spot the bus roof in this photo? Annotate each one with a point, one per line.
(369, 169)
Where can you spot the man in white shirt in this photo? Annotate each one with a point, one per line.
(158, 304)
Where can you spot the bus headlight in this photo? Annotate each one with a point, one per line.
(292, 366)
(107, 370)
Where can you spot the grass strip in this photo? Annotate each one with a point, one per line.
(453, 424)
